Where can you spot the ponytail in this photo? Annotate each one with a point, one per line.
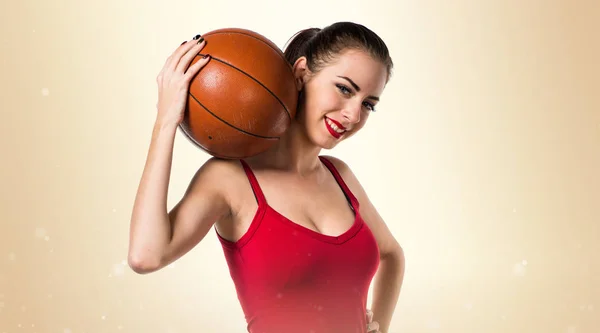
(321, 46)
(298, 45)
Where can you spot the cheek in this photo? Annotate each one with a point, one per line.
(322, 101)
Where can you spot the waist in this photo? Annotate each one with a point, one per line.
(311, 318)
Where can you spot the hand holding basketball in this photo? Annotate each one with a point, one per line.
(174, 80)
(243, 101)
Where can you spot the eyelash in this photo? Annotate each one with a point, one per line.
(346, 90)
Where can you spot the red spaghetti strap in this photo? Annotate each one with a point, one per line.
(258, 194)
(291, 278)
(340, 181)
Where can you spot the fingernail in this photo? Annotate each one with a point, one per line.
(197, 36)
(206, 56)
(184, 42)
(200, 40)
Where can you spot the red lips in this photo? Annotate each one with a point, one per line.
(333, 132)
(337, 124)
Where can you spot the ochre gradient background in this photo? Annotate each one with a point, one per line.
(484, 159)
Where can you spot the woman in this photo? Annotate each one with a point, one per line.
(300, 236)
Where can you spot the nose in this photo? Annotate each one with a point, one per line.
(351, 114)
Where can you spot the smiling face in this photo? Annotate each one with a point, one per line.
(339, 97)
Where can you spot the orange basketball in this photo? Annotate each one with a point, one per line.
(244, 99)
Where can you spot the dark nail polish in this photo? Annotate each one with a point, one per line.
(197, 36)
(184, 42)
(206, 56)
(200, 40)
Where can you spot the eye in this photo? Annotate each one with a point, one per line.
(369, 106)
(345, 90)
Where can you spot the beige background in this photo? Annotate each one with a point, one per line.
(487, 141)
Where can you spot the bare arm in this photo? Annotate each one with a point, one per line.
(150, 227)
(156, 236)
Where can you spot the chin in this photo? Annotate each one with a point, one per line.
(328, 145)
(327, 141)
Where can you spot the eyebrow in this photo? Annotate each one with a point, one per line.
(357, 87)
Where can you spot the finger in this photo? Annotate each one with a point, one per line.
(189, 56)
(373, 326)
(369, 316)
(178, 54)
(165, 73)
(168, 60)
(196, 67)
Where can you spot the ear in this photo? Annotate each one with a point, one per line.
(300, 69)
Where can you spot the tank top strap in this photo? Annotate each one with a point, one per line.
(258, 194)
(340, 182)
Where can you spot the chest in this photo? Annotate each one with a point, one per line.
(282, 256)
(320, 205)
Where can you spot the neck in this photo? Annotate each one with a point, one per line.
(294, 152)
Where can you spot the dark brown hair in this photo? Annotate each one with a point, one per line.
(320, 46)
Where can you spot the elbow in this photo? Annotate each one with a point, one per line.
(393, 260)
(394, 252)
(141, 264)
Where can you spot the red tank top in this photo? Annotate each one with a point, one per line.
(291, 279)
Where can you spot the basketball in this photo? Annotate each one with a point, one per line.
(244, 99)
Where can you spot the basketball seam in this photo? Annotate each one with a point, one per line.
(227, 123)
(253, 79)
(192, 140)
(279, 51)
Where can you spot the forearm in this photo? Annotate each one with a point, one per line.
(150, 229)
(386, 291)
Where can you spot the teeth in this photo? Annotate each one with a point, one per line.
(334, 126)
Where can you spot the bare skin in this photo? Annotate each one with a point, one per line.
(220, 195)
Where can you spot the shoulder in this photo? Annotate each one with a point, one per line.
(346, 172)
(218, 175)
(340, 165)
(217, 167)
(220, 166)
(349, 178)
(385, 240)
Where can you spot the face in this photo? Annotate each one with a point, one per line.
(339, 97)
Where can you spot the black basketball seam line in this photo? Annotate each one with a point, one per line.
(230, 125)
(279, 51)
(192, 140)
(253, 79)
